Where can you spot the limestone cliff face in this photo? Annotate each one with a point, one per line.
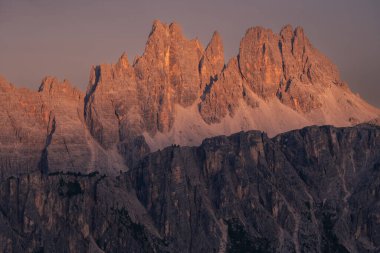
(212, 62)
(45, 131)
(309, 190)
(66, 145)
(260, 60)
(24, 123)
(112, 103)
(167, 74)
(170, 61)
(222, 99)
(307, 74)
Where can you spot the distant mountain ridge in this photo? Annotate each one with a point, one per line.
(177, 92)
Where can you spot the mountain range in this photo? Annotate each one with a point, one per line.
(141, 161)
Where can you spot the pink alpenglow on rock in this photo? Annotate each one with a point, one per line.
(176, 92)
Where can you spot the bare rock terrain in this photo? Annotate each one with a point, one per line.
(141, 162)
(46, 131)
(277, 82)
(177, 92)
(309, 190)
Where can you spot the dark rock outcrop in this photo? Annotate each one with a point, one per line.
(309, 190)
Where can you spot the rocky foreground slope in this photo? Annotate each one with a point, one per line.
(177, 92)
(309, 190)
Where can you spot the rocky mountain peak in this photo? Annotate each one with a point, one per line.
(161, 35)
(286, 32)
(282, 64)
(175, 28)
(260, 60)
(258, 33)
(299, 32)
(281, 76)
(4, 84)
(216, 40)
(161, 28)
(168, 73)
(48, 83)
(212, 61)
(52, 86)
(215, 51)
(123, 61)
(158, 26)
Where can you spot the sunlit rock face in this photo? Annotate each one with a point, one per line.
(45, 131)
(24, 120)
(309, 190)
(177, 92)
(260, 61)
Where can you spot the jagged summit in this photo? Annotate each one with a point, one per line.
(123, 61)
(176, 92)
(4, 84)
(53, 86)
(212, 61)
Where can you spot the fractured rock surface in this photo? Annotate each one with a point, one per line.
(45, 131)
(276, 83)
(175, 93)
(309, 190)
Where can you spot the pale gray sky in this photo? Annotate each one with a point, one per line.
(64, 38)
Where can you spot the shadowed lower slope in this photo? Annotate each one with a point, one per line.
(309, 190)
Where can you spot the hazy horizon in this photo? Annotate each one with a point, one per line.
(65, 39)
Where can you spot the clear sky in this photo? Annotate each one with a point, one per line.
(64, 38)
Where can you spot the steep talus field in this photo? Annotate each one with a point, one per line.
(309, 190)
